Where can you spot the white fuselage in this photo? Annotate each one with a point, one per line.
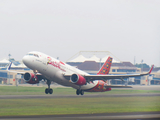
(54, 70)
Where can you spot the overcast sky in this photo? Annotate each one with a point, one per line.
(62, 28)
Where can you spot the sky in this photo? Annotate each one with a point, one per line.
(61, 28)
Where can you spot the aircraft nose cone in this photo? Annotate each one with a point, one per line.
(28, 61)
(25, 60)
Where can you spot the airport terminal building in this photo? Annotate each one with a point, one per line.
(93, 64)
(90, 65)
(12, 78)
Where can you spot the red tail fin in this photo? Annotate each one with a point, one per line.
(106, 67)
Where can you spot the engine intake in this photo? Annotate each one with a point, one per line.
(78, 79)
(31, 78)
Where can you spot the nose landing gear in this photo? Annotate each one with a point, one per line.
(79, 92)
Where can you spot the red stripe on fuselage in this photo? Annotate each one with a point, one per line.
(61, 63)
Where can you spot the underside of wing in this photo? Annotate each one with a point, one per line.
(107, 77)
(39, 75)
(90, 78)
(116, 86)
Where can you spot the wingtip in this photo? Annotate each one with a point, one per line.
(9, 67)
(151, 69)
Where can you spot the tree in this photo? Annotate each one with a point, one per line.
(144, 65)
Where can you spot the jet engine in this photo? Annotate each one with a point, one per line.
(78, 79)
(31, 78)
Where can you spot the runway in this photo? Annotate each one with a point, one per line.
(74, 96)
(134, 87)
(103, 116)
(143, 87)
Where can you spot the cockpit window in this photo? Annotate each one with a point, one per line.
(36, 55)
(30, 54)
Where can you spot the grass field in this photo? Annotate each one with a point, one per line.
(20, 90)
(54, 106)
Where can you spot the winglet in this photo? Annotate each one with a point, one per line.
(151, 69)
(9, 67)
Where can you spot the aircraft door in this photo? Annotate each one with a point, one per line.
(44, 63)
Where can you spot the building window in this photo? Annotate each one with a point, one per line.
(125, 70)
(3, 75)
(10, 76)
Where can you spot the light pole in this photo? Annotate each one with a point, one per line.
(9, 55)
(100, 63)
(141, 69)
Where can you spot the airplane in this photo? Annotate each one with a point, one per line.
(50, 69)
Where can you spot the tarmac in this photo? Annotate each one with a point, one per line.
(74, 96)
(105, 116)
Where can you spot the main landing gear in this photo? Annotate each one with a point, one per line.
(48, 90)
(79, 92)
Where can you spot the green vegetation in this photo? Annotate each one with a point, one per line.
(144, 65)
(77, 105)
(14, 107)
(20, 90)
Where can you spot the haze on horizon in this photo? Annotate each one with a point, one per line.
(60, 28)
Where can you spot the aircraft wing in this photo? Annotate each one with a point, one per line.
(22, 73)
(116, 86)
(106, 77)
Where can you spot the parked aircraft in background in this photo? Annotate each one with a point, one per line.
(50, 69)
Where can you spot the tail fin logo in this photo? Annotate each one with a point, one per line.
(104, 71)
(49, 60)
(106, 66)
(110, 60)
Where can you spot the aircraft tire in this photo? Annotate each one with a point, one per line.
(46, 90)
(77, 92)
(50, 91)
(82, 92)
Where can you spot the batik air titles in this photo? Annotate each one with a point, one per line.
(50, 69)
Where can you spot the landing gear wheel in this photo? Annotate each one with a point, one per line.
(46, 90)
(82, 92)
(77, 92)
(50, 91)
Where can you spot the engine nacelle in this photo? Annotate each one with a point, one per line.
(31, 78)
(78, 79)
